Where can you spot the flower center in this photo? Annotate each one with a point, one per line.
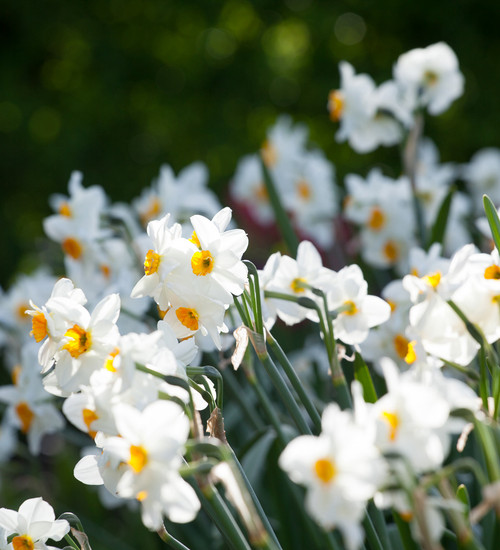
(152, 211)
(65, 209)
(492, 272)
(325, 469)
(269, 154)
(21, 311)
(188, 317)
(26, 416)
(377, 219)
(401, 345)
(393, 420)
(108, 365)
(72, 248)
(88, 417)
(298, 285)
(138, 458)
(304, 190)
(151, 263)
(350, 308)
(261, 193)
(202, 262)
(432, 280)
(430, 78)
(411, 354)
(336, 105)
(23, 542)
(39, 327)
(391, 251)
(79, 341)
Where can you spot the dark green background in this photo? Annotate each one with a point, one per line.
(116, 88)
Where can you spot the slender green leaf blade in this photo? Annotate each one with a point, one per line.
(493, 220)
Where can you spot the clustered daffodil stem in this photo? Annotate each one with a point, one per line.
(410, 158)
(171, 541)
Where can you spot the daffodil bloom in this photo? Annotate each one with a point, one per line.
(33, 525)
(48, 327)
(340, 469)
(87, 342)
(157, 262)
(211, 260)
(368, 115)
(295, 278)
(411, 420)
(482, 175)
(195, 312)
(143, 463)
(429, 77)
(180, 195)
(15, 302)
(29, 406)
(357, 310)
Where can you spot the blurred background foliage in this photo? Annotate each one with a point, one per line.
(115, 88)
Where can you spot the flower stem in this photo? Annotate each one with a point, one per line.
(171, 541)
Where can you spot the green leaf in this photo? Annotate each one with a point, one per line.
(282, 218)
(404, 533)
(492, 217)
(439, 228)
(362, 375)
(255, 458)
(463, 497)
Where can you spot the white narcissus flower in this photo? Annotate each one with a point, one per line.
(285, 144)
(180, 195)
(482, 175)
(144, 462)
(383, 208)
(248, 189)
(195, 311)
(341, 470)
(293, 277)
(87, 342)
(48, 326)
(357, 310)
(33, 525)
(365, 113)
(429, 77)
(158, 263)
(479, 295)
(411, 420)
(30, 409)
(215, 254)
(308, 192)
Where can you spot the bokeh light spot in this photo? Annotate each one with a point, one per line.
(350, 29)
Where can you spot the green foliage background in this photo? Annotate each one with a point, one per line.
(115, 88)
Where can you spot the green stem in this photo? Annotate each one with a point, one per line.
(484, 385)
(371, 534)
(225, 521)
(489, 449)
(71, 542)
(171, 541)
(210, 372)
(380, 525)
(410, 159)
(314, 532)
(295, 381)
(282, 218)
(258, 507)
(284, 393)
